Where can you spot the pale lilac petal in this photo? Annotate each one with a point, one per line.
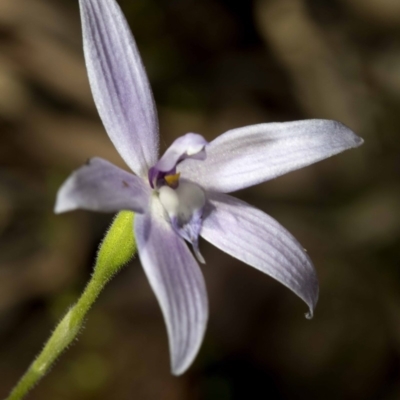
(101, 186)
(178, 284)
(255, 238)
(189, 146)
(119, 84)
(247, 156)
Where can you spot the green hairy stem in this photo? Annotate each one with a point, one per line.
(117, 248)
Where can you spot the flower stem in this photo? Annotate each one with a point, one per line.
(115, 251)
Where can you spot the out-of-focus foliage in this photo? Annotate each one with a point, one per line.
(214, 65)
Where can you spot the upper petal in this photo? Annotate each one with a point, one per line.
(189, 146)
(119, 84)
(247, 156)
(255, 238)
(178, 284)
(101, 186)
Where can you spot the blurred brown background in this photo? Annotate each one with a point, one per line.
(213, 65)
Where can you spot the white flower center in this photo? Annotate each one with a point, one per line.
(183, 201)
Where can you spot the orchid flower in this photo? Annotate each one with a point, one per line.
(183, 195)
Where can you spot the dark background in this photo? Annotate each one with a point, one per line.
(213, 65)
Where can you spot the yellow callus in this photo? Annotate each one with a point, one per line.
(172, 180)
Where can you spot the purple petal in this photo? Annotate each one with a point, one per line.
(101, 186)
(247, 156)
(119, 84)
(189, 146)
(255, 238)
(178, 284)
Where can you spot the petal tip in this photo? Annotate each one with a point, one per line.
(60, 208)
(178, 371)
(310, 314)
(179, 367)
(358, 141)
(63, 202)
(57, 209)
(314, 301)
(181, 363)
(355, 140)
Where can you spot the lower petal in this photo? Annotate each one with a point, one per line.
(255, 238)
(101, 186)
(178, 283)
(184, 206)
(190, 231)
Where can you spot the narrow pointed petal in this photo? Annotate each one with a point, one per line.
(255, 238)
(119, 84)
(178, 284)
(247, 156)
(101, 186)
